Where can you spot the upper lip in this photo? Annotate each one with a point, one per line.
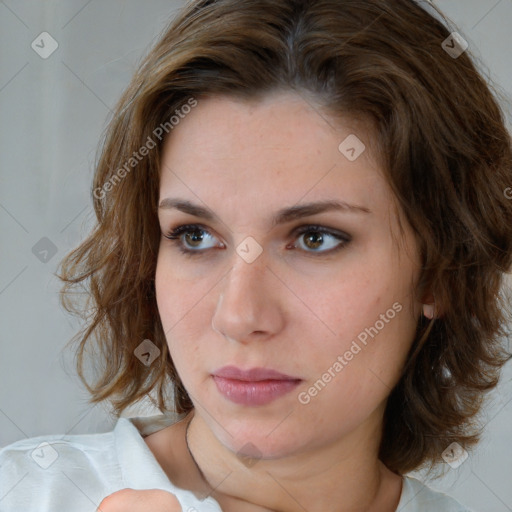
(251, 375)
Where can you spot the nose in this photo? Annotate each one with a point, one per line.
(249, 305)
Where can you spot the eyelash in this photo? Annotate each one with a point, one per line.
(175, 236)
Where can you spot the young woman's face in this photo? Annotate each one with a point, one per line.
(273, 280)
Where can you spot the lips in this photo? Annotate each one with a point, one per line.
(252, 375)
(257, 386)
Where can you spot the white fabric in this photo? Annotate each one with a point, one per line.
(74, 473)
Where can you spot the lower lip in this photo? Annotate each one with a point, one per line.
(255, 392)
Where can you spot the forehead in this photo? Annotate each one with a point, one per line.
(281, 148)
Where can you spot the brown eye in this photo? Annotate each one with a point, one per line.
(314, 240)
(194, 238)
(190, 237)
(320, 240)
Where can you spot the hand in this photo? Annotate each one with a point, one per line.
(130, 500)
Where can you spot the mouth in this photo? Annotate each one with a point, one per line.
(257, 386)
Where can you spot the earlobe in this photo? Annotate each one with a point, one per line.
(429, 310)
(431, 307)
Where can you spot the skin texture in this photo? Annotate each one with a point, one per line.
(294, 309)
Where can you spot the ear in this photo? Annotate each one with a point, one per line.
(431, 309)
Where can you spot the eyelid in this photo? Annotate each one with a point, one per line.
(320, 228)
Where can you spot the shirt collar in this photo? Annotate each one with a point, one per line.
(139, 467)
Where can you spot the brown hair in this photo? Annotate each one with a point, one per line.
(443, 146)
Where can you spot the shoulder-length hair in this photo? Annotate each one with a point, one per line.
(443, 146)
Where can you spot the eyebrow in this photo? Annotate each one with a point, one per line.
(281, 217)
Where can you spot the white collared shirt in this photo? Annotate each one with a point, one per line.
(76, 472)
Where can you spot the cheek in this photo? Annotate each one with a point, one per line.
(181, 304)
(164, 287)
(353, 373)
(178, 297)
(371, 323)
(352, 299)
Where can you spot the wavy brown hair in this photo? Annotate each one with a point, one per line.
(441, 140)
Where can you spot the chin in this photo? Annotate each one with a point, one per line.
(256, 443)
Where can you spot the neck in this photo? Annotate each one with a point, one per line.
(334, 478)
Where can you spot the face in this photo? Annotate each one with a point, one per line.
(322, 295)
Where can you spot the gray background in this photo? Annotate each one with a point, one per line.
(52, 114)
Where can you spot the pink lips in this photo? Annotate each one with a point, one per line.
(257, 386)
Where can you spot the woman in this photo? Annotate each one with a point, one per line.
(302, 237)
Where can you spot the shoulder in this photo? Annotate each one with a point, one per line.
(418, 497)
(68, 470)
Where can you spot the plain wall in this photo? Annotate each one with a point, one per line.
(52, 114)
